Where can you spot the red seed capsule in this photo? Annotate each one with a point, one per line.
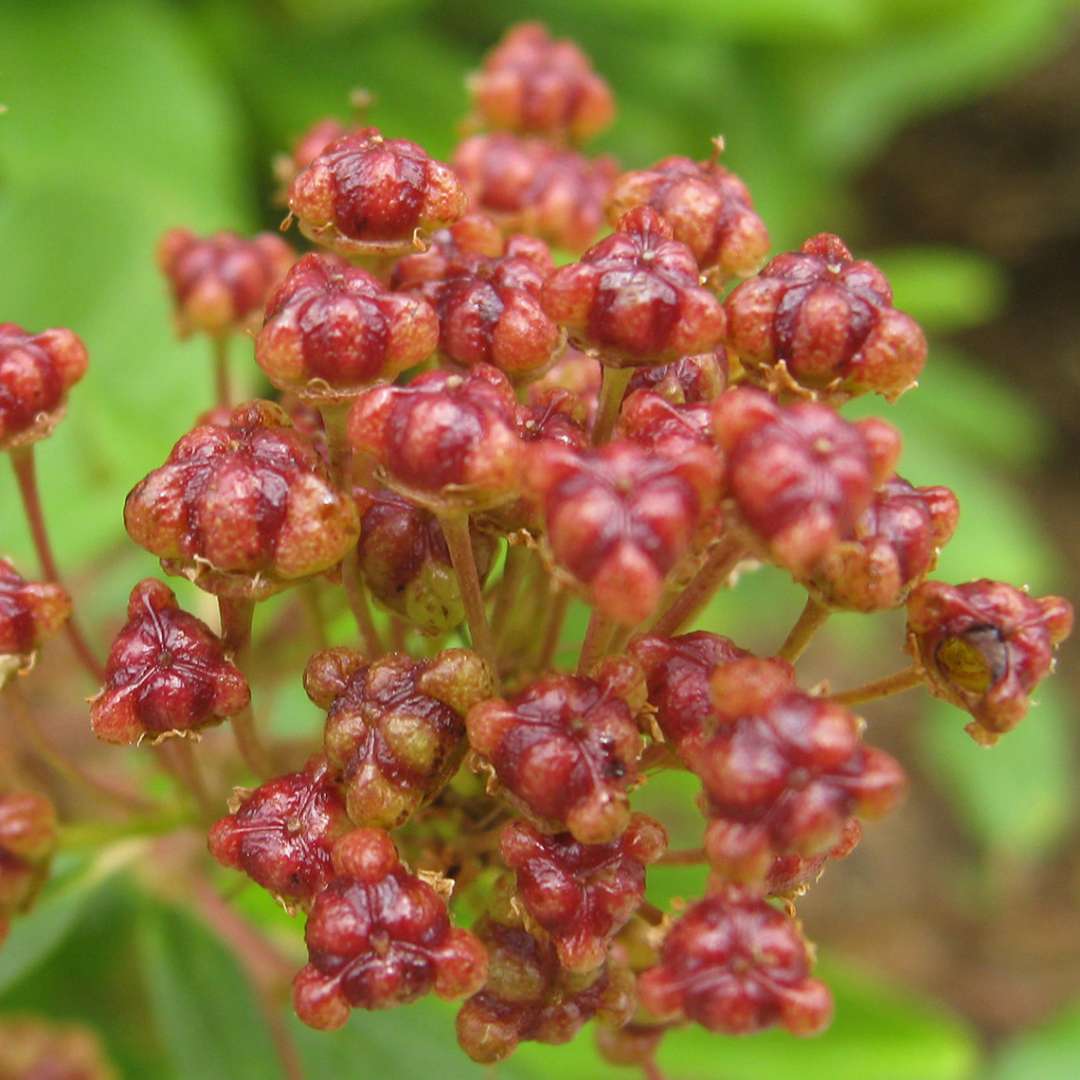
(736, 965)
(331, 330)
(245, 509)
(582, 895)
(395, 730)
(634, 297)
(895, 545)
(693, 380)
(36, 373)
(166, 674)
(565, 749)
(378, 936)
(782, 772)
(487, 296)
(530, 186)
(27, 842)
(367, 195)
(708, 208)
(829, 320)
(984, 646)
(282, 833)
(30, 612)
(446, 441)
(619, 518)
(307, 147)
(531, 82)
(791, 875)
(220, 283)
(800, 476)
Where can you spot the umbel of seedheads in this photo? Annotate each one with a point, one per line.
(468, 427)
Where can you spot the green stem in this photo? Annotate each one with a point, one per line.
(897, 683)
(222, 388)
(612, 391)
(597, 636)
(236, 620)
(713, 574)
(455, 529)
(813, 618)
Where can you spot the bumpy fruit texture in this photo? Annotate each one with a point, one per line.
(619, 518)
(693, 380)
(634, 297)
(528, 185)
(581, 895)
(395, 729)
(736, 965)
(30, 613)
(791, 875)
(650, 420)
(528, 996)
(829, 321)
(219, 284)
(331, 329)
(708, 208)
(367, 195)
(446, 441)
(678, 673)
(378, 936)
(564, 750)
(36, 373)
(799, 475)
(167, 674)
(403, 557)
(895, 545)
(27, 843)
(984, 646)
(533, 83)
(245, 509)
(281, 834)
(782, 772)
(487, 296)
(307, 147)
(33, 1048)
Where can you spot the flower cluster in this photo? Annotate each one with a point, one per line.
(483, 437)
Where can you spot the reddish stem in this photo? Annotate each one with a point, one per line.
(810, 621)
(597, 635)
(897, 683)
(560, 602)
(178, 759)
(22, 461)
(222, 388)
(687, 857)
(236, 619)
(715, 572)
(455, 529)
(356, 592)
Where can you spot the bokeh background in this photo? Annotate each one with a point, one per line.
(939, 137)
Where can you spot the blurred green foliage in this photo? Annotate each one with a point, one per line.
(127, 118)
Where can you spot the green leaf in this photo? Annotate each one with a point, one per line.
(204, 1007)
(1016, 798)
(1051, 1052)
(943, 288)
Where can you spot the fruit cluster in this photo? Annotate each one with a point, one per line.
(474, 439)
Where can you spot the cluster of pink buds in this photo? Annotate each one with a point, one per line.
(467, 435)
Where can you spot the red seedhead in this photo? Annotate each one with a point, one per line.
(895, 545)
(395, 730)
(36, 373)
(533, 83)
(447, 441)
(829, 320)
(736, 965)
(565, 749)
(331, 330)
(708, 208)
(27, 843)
(281, 834)
(783, 772)
(30, 612)
(244, 509)
(984, 646)
(791, 875)
(305, 150)
(406, 564)
(693, 380)
(529, 997)
(487, 295)
(575, 373)
(220, 283)
(799, 475)
(166, 675)
(378, 937)
(678, 672)
(635, 298)
(531, 186)
(619, 518)
(582, 895)
(650, 420)
(366, 195)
